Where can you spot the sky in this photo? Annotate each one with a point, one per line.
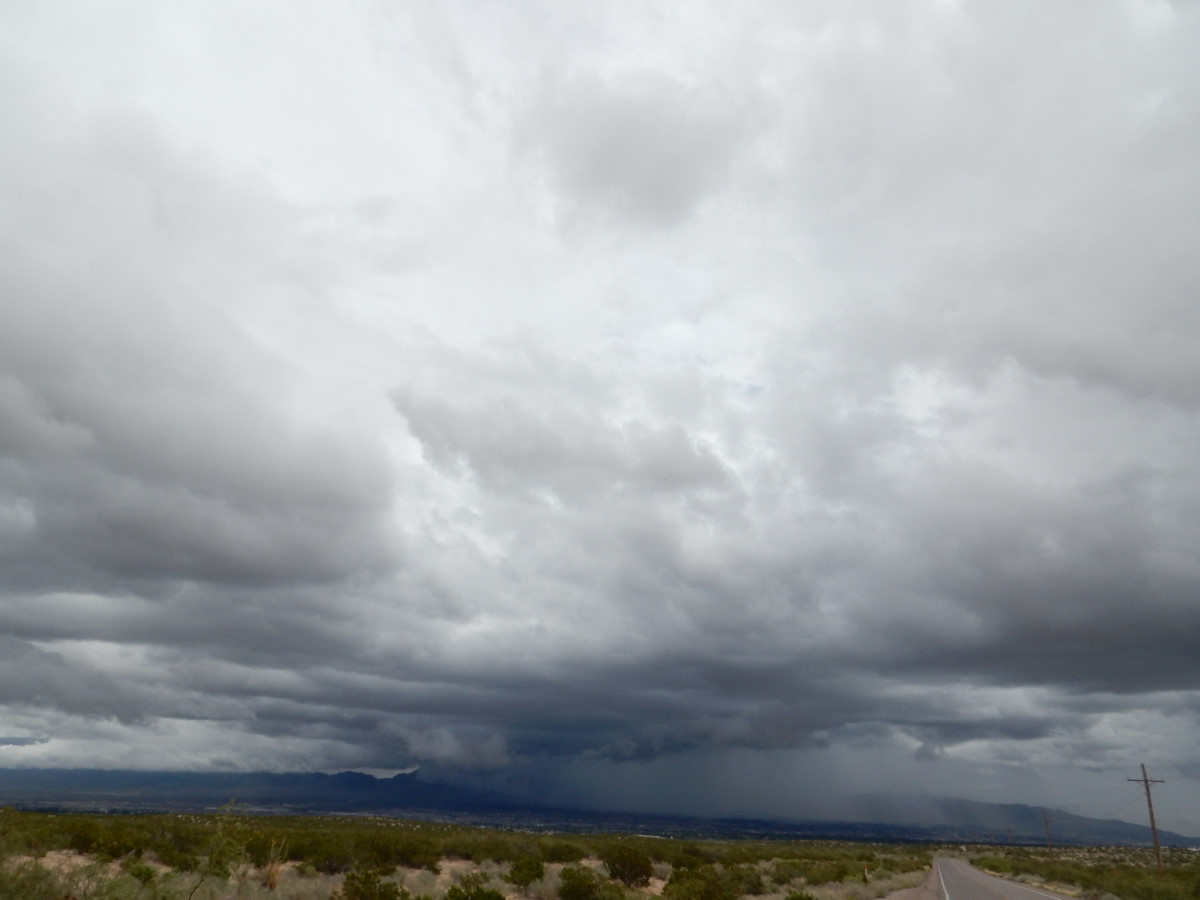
(693, 407)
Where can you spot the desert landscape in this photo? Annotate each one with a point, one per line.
(51, 856)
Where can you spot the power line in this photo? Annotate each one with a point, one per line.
(1114, 803)
(1145, 781)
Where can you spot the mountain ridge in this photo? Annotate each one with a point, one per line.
(890, 817)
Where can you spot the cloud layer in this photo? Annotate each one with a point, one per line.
(663, 407)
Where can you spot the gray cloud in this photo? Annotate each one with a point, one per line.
(642, 147)
(40, 678)
(149, 437)
(801, 401)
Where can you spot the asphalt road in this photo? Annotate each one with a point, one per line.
(959, 880)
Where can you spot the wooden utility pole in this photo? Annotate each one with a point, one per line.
(1145, 781)
(1046, 822)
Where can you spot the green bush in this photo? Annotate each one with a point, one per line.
(328, 853)
(628, 864)
(142, 873)
(387, 850)
(29, 882)
(525, 871)
(477, 892)
(365, 884)
(785, 871)
(480, 847)
(577, 883)
(562, 852)
(698, 883)
(685, 856)
(827, 872)
(744, 879)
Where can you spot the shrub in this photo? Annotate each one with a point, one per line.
(330, 854)
(826, 872)
(481, 847)
(686, 856)
(562, 852)
(28, 880)
(628, 864)
(142, 873)
(457, 892)
(785, 871)
(384, 850)
(525, 871)
(577, 883)
(744, 879)
(365, 884)
(698, 883)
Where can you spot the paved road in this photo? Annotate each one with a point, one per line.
(959, 880)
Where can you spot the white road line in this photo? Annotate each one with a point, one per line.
(942, 882)
(1036, 891)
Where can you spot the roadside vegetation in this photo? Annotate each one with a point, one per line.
(1099, 873)
(78, 856)
(46, 856)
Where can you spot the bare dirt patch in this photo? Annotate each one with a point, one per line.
(926, 890)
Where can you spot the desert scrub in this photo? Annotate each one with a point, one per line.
(473, 886)
(628, 864)
(366, 884)
(1124, 873)
(583, 883)
(419, 881)
(556, 851)
(29, 881)
(713, 881)
(525, 871)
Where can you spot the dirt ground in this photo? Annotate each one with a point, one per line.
(926, 890)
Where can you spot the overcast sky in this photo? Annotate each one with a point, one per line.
(708, 407)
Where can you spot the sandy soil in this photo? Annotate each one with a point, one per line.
(926, 890)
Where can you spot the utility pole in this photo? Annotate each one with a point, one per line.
(1145, 781)
(1046, 822)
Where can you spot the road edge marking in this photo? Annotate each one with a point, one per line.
(1016, 884)
(942, 881)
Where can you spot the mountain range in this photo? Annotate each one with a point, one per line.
(891, 817)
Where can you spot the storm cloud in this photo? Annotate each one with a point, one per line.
(665, 407)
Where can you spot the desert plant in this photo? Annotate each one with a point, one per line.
(224, 854)
(628, 864)
(28, 880)
(699, 883)
(365, 884)
(577, 883)
(475, 891)
(525, 871)
(276, 854)
(562, 852)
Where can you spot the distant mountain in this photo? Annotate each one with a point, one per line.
(1005, 822)
(872, 818)
(300, 792)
